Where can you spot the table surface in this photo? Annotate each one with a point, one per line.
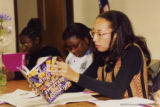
(23, 84)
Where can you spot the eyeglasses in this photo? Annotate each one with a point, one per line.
(75, 46)
(99, 34)
(24, 45)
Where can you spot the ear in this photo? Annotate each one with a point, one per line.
(37, 40)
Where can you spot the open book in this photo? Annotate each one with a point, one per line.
(49, 85)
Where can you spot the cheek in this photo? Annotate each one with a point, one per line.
(29, 48)
(84, 48)
(104, 45)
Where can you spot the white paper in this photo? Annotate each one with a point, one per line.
(22, 98)
(73, 97)
(18, 94)
(128, 102)
(2, 102)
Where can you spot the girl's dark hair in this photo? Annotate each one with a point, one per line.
(33, 29)
(76, 29)
(125, 35)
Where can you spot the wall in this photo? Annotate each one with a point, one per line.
(145, 20)
(27, 9)
(85, 11)
(143, 14)
(7, 7)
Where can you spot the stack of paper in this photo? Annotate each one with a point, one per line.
(22, 98)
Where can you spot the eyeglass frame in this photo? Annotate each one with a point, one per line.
(99, 34)
(25, 44)
(74, 47)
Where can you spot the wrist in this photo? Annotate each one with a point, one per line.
(76, 77)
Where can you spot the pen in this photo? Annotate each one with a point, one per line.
(147, 105)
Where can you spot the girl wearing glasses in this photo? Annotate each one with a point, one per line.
(31, 43)
(121, 59)
(78, 43)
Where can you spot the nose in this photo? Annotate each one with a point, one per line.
(95, 38)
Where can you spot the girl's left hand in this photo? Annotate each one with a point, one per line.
(63, 69)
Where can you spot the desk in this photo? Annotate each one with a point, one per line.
(23, 84)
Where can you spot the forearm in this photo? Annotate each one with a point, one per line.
(111, 90)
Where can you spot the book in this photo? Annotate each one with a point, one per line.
(13, 62)
(48, 84)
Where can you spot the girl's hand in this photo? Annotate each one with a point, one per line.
(31, 85)
(63, 69)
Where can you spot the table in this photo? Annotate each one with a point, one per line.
(12, 86)
(23, 84)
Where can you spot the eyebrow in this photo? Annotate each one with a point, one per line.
(97, 30)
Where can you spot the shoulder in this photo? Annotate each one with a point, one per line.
(132, 50)
(132, 59)
(132, 53)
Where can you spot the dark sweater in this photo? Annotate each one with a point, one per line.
(90, 72)
(131, 61)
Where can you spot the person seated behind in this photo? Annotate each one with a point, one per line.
(78, 43)
(121, 58)
(31, 43)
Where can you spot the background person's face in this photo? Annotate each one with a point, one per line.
(26, 44)
(77, 46)
(102, 30)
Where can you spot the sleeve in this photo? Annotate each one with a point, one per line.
(131, 61)
(19, 76)
(90, 72)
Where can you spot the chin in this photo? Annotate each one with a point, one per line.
(101, 50)
(80, 55)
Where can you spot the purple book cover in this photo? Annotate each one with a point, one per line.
(14, 61)
(50, 86)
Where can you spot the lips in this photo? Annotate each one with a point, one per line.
(96, 46)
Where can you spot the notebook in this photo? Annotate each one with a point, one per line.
(14, 61)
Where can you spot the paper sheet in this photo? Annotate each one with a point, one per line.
(73, 97)
(22, 98)
(128, 102)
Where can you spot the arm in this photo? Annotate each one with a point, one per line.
(131, 62)
(90, 72)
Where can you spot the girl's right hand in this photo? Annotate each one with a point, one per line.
(34, 89)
